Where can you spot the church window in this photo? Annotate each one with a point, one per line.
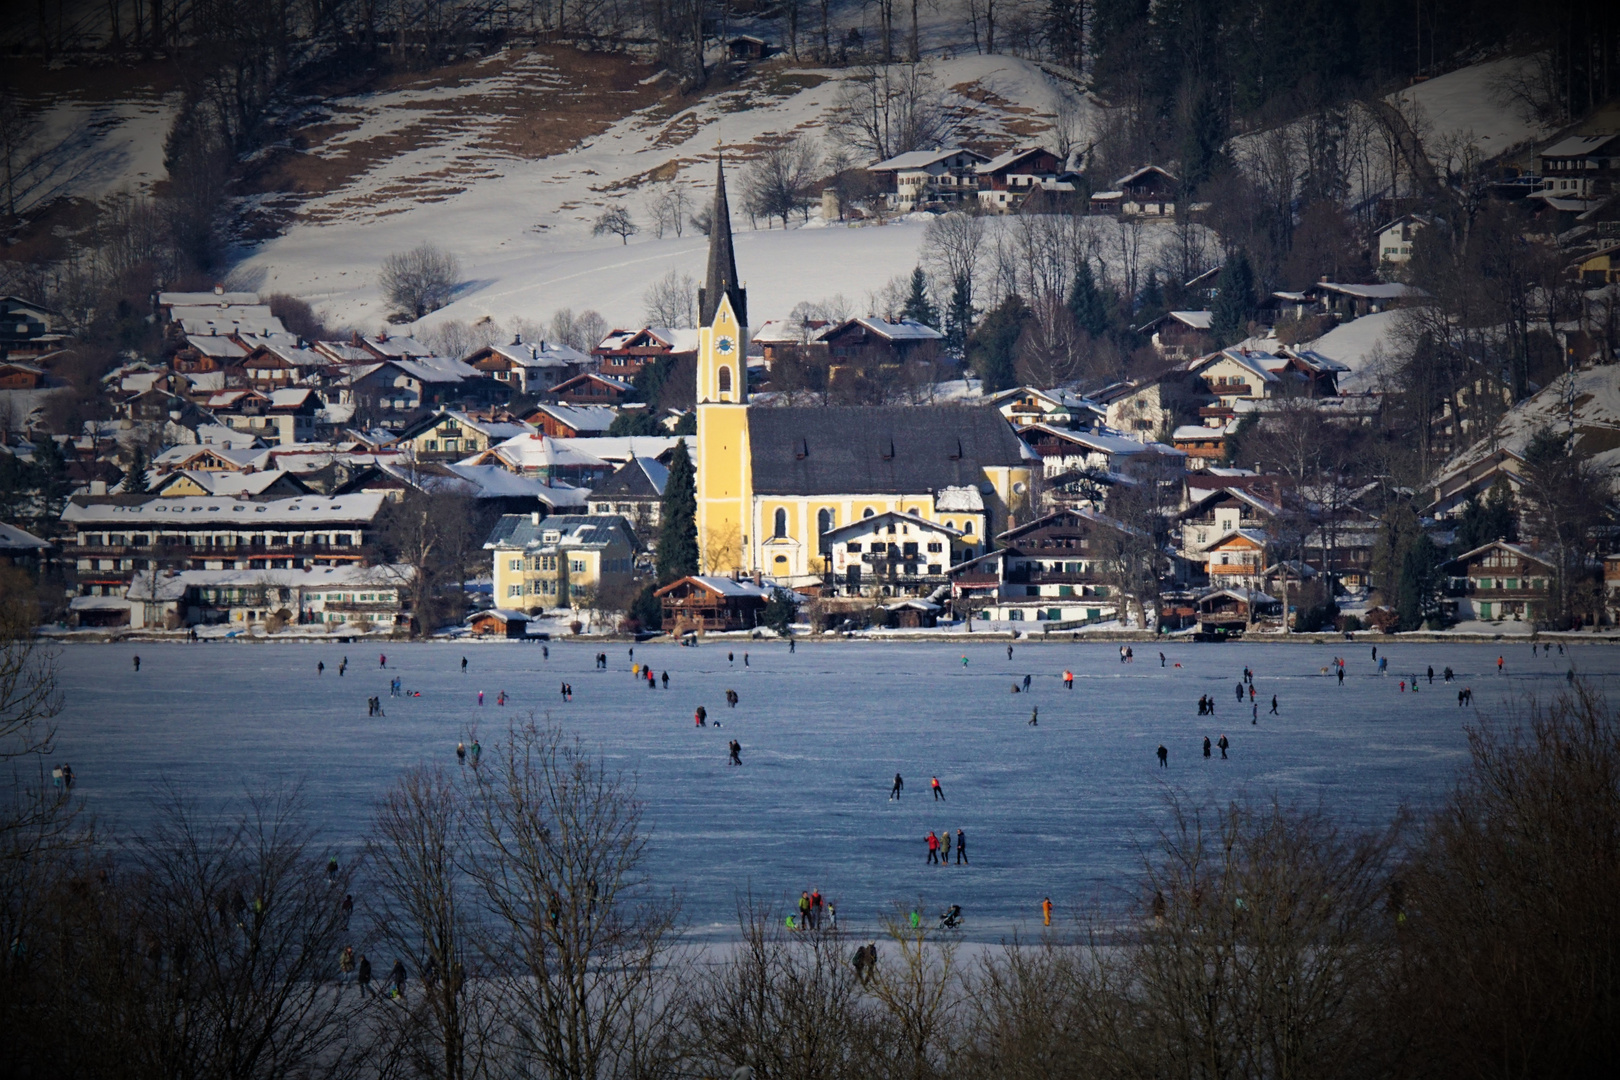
(867, 512)
(967, 527)
(725, 380)
(824, 524)
(780, 530)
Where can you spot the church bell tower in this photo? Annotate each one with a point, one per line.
(724, 458)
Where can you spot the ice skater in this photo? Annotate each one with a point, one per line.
(137, 663)
(382, 661)
(1223, 744)
(933, 848)
(1026, 683)
(961, 847)
(899, 786)
(939, 792)
(480, 697)
(1206, 746)
(736, 752)
(464, 665)
(700, 718)
(1068, 679)
(320, 667)
(1274, 705)
(1009, 652)
(1164, 756)
(1035, 717)
(461, 752)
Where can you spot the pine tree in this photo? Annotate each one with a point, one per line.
(51, 474)
(1417, 586)
(919, 307)
(994, 344)
(1087, 303)
(135, 478)
(959, 315)
(1234, 299)
(1152, 300)
(677, 554)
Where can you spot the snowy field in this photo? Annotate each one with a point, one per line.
(1058, 809)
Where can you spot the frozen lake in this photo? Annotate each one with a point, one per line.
(1057, 809)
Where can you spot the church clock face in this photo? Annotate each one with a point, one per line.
(724, 346)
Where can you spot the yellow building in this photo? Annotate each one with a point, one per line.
(772, 481)
(541, 562)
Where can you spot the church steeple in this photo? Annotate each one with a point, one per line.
(722, 276)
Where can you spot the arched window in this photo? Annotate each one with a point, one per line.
(780, 532)
(725, 380)
(824, 525)
(867, 512)
(967, 527)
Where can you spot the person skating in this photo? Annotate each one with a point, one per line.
(320, 667)
(1499, 662)
(461, 752)
(476, 751)
(1026, 684)
(745, 659)
(1068, 679)
(1035, 717)
(347, 907)
(397, 977)
(939, 792)
(1240, 691)
(382, 661)
(137, 663)
(464, 665)
(1274, 705)
(933, 847)
(343, 666)
(1255, 719)
(1046, 911)
(731, 658)
(1161, 659)
(1206, 746)
(1448, 673)
(961, 847)
(1164, 756)
(736, 752)
(1223, 744)
(331, 870)
(793, 647)
(363, 975)
(1341, 674)
(1431, 674)
(666, 680)
(899, 786)
(1375, 652)
(700, 718)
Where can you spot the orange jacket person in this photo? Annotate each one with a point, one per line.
(1046, 911)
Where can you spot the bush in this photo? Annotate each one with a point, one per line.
(419, 280)
(1349, 624)
(645, 612)
(1313, 620)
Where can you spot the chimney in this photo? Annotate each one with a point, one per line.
(219, 288)
(534, 518)
(759, 580)
(517, 339)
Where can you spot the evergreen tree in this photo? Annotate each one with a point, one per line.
(687, 424)
(635, 422)
(646, 610)
(677, 554)
(1087, 304)
(135, 478)
(51, 474)
(959, 315)
(1418, 585)
(994, 344)
(1152, 299)
(1234, 299)
(918, 306)
(1485, 519)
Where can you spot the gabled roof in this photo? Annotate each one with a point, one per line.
(1143, 171)
(1256, 537)
(571, 531)
(216, 346)
(396, 347)
(641, 478)
(720, 586)
(920, 159)
(1104, 444)
(877, 450)
(1254, 596)
(580, 417)
(227, 484)
(493, 430)
(547, 354)
(1392, 290)
(1577, 146)
(1502, 545)
(1011, 158)
(13, 539)
(1254, 362)
(904, 330)
(591, 376)
(1265, 506)
(1056, 517)
(865, 525)
(211, 510)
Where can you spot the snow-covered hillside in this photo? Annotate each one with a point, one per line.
(522, 227)
(1468, 106)
(85, 146)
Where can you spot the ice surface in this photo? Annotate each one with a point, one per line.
(1057, 809)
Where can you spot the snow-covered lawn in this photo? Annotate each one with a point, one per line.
(1056, 809)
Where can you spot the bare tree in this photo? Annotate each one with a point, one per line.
(419, 280)
(780, 181)
(583, 331)
(671, 301)
(615, 220)
(564, 883)
(920, 989)
(887, 109)
(667, 206)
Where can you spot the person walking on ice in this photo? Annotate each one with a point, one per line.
(899, 785)
(1274, 705)
(736, 752)
(945, 848)
(464, 665)
(1206, 746)
(933, 848)
(137, 663)
(1068, 679)
(1223, 744)
(1046, 911)
(1164, 757)
(939, 792)
(461, 751)
(1035, 717)
(961, 847)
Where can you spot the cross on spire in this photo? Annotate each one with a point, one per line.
(722, 275)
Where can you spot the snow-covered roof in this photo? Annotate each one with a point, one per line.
(15, 539)
(904, 330)
(206, 299)
(1389, 290)
(621, 448)
(217, 436)
(919, 159)
(1254, 362)
(1188, 432)
(1577, 146)
(581, 417)
(1246, 595)
(344, 352)
(1198, 320)
(397, 347)
(238, 455)
(216, 346)
(724, 586)
(226, 484)
(434, 369)
(290, 397)
(1002, 160)
(958, 499)
(209, 509)
(1143, 171)
(173, 586)
(494, 482)
(211, 320)
(536, 451)
(1106, 444)
(1501, 545)
(545, 354)
(788, 331)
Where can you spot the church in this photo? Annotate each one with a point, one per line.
(773, 481)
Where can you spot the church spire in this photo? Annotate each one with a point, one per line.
(722, 276)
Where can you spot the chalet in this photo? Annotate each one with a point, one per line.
(552, 461)
(1025, 405)
(874, 340)
(635, 492)
(529, 368)
(203, 353)
(1155, 405)
(21, 549)
(745, 48)
(1063, 450)
(1238, 557)
(1236, 373)
(1058, 569)
(592, 389)
(273, 366)
(888, 554)
(1234, 610)
(912, 614)
(29, 330)
(699, 603)
(453, 434)
(1351, 301)
(210, 457)
(1601, 267)
(1220, 513)
(1498, 581)
(404, 386)
(1392, 243)
(1580, 167)
(623, 353)
(15, 375)
(1007, 179)
(559, 560)
(345, 353)
(218, 297)
(1181, 335)
(921, 177)
(498, 622)
(253, 320)
(1146, 192)
(1204, 445)
(779, 337)
(572, 421)
(1472, 475)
